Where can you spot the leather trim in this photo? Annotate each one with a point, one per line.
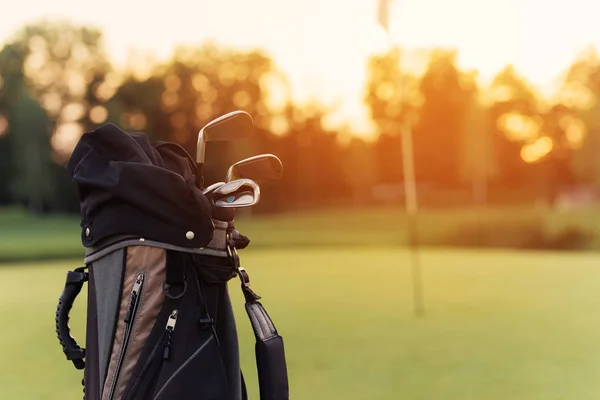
(152, 262)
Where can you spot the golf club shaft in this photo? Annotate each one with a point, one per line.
(199, 176)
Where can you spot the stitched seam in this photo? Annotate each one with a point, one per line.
(183, 366)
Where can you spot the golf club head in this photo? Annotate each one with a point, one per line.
(231, 126)
(266, 167)
(212, 188)
(236, 194)
(221, 214)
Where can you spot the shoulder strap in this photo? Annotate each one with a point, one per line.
(269, 349)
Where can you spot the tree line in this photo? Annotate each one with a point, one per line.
(472, 144)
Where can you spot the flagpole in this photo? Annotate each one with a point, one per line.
(410, 190)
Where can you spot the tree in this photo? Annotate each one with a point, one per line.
(439, 136)
(193, 87)
(556, 167)
(479, 165)
(26, 140)
(31, 152)
(580, 95)
(515, 122)
(392, 98)
(67, 71)
(357, 162)
(312, 158)
(53, 74)
(5, 157)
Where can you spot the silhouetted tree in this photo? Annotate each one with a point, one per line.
(392, 98)
(439, 135)
(580, 95)
(53, 74)
(479, 164)
(312, 159)
(516, 122)
(67, 72)
(192, 88)
(25, 137)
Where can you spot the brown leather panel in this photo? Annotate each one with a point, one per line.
(152, 262)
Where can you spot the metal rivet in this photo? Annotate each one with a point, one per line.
(87, 231)
(142, 240)
(189, 235)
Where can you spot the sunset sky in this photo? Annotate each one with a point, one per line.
(322, 46)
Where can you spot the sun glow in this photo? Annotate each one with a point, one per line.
(322, 46)
(519, 127)
(537, 150)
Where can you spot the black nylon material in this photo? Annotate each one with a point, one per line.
(203, 353)
(128, 186)
(196, 367)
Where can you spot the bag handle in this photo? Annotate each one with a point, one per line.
(73, 285)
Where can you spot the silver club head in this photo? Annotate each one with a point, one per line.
(236, 194)
(261, 167)
(231, 126)
(212, 188)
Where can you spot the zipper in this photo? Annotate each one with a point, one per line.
(169, 328)
(151, 366)
(129, 320)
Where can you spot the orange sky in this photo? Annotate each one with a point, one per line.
(322, 46)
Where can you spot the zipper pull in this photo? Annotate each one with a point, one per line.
(135, 292)
(138, 284)
(170, 328)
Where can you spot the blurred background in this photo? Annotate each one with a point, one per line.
(501, 99)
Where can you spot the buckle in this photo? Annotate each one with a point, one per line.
(249, 295)
(244, 277)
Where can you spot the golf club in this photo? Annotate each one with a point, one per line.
(212, 188)
(231, 126)
(236, 194)
(260, 167)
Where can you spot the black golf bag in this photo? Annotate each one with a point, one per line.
(160, 323)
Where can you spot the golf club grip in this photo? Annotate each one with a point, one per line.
(72, 350)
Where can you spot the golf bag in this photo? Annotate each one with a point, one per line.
(157, 263)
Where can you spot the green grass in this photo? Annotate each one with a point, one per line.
(388, 225)
(23, 237)
(499, 325)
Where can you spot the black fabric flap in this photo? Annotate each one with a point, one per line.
(128, 186)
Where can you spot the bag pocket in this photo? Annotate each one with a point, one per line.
(200, 376)
(157, 350)
(129, 320)
(187, 364)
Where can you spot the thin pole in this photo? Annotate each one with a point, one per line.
(410, 195)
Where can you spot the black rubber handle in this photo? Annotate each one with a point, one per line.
(73, 285)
